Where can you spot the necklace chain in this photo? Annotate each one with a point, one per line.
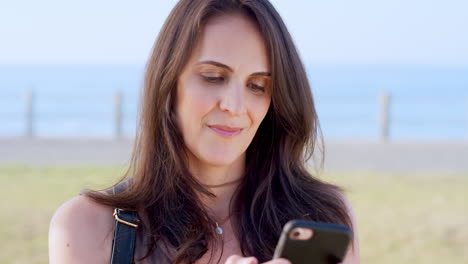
(219, 230)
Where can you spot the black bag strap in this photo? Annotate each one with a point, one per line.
(123, 244)
(126, 224)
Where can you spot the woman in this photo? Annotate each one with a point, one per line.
(226, 127)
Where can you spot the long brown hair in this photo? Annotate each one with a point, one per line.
(276, 186)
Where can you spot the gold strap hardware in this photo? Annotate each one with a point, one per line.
(116, 216)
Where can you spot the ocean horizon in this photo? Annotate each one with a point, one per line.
(77, 100)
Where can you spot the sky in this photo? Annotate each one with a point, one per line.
(332, 32)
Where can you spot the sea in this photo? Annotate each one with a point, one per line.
(77, 101)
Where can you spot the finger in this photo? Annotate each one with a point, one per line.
(278, 261)
(236, 259)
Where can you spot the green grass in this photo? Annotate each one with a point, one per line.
(410, 218)
(401, 218)
(29, 198)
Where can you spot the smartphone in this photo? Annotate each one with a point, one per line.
(308, 242)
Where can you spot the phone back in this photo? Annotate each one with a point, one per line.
(328, 243)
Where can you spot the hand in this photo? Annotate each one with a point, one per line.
(235, 259)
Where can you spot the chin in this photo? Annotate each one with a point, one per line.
(219, 161)
(217, 158)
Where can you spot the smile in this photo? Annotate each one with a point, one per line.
(226, 133)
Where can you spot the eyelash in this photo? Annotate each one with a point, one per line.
(213, 79)
(257, 87)
(221, 79)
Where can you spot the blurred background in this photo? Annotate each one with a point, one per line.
(389, 78)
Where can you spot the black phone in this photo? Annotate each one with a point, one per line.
(308, 242)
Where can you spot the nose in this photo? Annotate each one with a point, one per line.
(232, 99)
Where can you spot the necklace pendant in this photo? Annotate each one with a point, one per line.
(218, 229)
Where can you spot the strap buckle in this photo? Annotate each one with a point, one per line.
(118, 219)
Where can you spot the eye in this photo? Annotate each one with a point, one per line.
(213, 79)
(256, 87)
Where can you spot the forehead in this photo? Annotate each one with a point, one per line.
(233, 39)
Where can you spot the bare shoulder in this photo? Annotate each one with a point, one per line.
(81, 232)
(353, 254)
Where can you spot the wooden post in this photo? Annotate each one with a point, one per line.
(29, 114)
(384, 119)
(118, 114)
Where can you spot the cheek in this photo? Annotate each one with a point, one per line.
(197, 102)
(259, 109)
(194, 104)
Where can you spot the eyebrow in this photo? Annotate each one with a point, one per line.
(221, 65)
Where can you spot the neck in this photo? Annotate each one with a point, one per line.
(222, 184)
(222, 181)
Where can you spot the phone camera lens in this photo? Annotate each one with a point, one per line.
(301, 233)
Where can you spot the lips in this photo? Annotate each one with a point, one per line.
(226, 131)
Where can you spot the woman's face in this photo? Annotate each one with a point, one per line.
(223, 93)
